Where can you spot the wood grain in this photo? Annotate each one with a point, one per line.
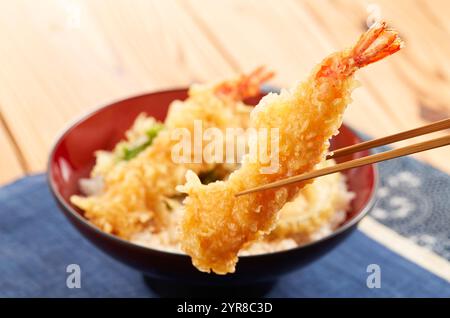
(292, 49)
(52, 73)
(55, 68)
(293, 37)
(10, 161)
(408, 87)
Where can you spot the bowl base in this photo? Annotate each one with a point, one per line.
(166, 288)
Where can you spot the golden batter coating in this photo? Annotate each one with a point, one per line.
(216, 224)
(136, 190)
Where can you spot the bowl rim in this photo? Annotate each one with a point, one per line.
(90, 113)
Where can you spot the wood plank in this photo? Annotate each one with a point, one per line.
(10, 163)
(287, 39)
(412, 87)
(60, 60)
(438, 12)
(420, 76)
(291, 38)
(292, 49)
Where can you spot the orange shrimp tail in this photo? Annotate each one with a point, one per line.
(245, 86)
(375, 44)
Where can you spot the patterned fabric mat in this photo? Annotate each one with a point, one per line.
(413, 200)
(37, 243)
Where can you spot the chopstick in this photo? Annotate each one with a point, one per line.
(387, 155)
(433, 127)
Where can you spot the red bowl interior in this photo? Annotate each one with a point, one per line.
(73, 154)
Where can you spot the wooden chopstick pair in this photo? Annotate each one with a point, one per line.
(387, 155)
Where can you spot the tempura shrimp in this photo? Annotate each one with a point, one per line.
(135, 191)
(217, 224)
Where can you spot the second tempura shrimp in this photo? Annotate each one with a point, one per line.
(120, 210)
(216, 224)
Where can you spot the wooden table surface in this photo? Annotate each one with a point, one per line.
(62, 58)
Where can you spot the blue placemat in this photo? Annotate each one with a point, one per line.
(37, 243)
(414, 201)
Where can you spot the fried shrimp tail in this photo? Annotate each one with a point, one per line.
(375, 44)
(247, 85)
(216, 224)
